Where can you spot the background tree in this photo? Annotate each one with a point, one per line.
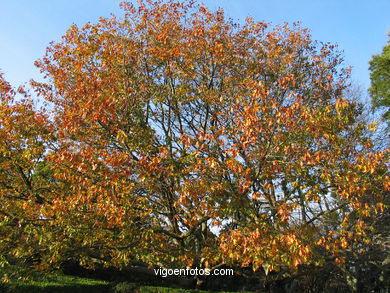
(183, 138)
(380, 81)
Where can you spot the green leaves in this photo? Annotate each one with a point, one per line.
(380, 81)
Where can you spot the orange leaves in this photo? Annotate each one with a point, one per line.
(256, 195)
(287, 81)
(260, 248)
(386, 183)
(170, 123)
(307, 158)
(284, 211)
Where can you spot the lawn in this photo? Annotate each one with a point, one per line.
(27, 281)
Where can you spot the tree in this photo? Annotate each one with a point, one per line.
(25, 185)
(183, 138)
(380, 81)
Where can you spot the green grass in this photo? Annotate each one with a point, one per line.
(55, 282)
(82, 285)
(19, 280)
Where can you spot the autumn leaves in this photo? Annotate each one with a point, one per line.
(173, 121)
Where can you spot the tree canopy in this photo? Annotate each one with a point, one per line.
(177, 137)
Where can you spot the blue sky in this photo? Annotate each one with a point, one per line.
(359, 27)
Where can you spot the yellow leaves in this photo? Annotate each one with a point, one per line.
(212, 163)
(322, 241)
(344, 242)
(290, 239)
(372, 126)
(184, 199)
(295, 184)
(266, 268)
(368, 169)
(247, 122)
(380, 206)
(326, 136)
(340, 104)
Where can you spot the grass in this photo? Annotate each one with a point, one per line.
(54, 282)
(23, 280)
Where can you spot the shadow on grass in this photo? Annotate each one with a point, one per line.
(29, 288)
(122, 287)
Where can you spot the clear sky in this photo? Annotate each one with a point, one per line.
(359, 27)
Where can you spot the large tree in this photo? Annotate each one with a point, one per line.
(183, 138)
